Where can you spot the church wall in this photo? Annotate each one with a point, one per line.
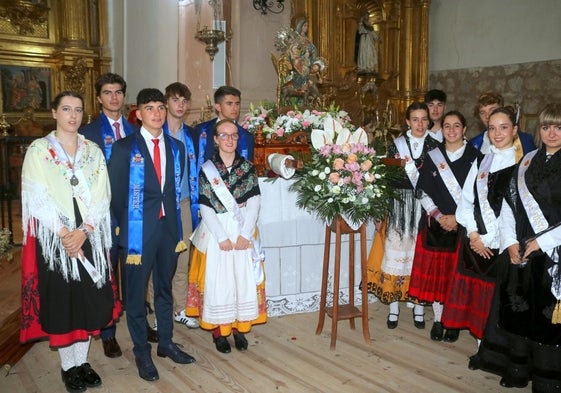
(511, 47)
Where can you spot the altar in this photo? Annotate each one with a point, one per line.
(293, 240)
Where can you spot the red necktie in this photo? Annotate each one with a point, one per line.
(117, 130)
(158, 166)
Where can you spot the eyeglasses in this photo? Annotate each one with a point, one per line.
(223, 136)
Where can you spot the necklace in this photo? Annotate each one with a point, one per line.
(73, 180)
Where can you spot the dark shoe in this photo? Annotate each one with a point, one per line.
(173, 352)
(222, 344)
(418, 324)
(111, 348)
(451, 335)
(392, 324)
(506, 384)
(146, 369)
(240, 342)
(73, 380)
(152, 335)
(474, 362)
(437, 331)
(89, 376)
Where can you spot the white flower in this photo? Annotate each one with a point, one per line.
(327, 170)
(322, 176)
(315, 172)
(317, 188)
(336, 190)
(364, 200)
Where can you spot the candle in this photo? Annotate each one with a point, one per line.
(208, 101)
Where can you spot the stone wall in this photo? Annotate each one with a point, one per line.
(532, 85)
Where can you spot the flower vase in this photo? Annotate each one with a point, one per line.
(345, 224)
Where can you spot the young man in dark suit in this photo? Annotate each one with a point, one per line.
(109, 127)
(227, 101)
(145, 171)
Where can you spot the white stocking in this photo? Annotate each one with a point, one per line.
(419, 312)
(81, 349)
(437, 308)
(66, 357)
(394, 311)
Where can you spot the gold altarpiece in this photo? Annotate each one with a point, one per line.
(63, 41)
(402, 47)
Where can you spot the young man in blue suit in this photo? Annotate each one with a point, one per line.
(145, 172)
(109, 127)
(227, 101)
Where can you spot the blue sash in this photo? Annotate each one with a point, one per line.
(109, 135)
(136, 202)
(243, 148)
(194, 167)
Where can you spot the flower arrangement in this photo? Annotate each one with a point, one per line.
(344, 177)
(308, 120)
(259, 116)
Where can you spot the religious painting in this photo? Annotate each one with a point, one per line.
(25, 87)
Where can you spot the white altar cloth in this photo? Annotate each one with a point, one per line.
(293, 241)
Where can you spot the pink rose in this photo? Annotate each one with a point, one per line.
(338, 164)
(280, 131)
(306, 123)
(366, 165)
(334, 177)
(351, 158)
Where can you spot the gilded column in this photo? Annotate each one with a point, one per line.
(73, 23)
(423, 45)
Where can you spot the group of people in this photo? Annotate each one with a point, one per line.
(108, 211)
(474, 232)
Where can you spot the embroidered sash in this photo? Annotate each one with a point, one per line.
(535, 216)
(410, 167)
(229, 202)
(136, 201)
(109, 135)
(481, 185)
(446, 174)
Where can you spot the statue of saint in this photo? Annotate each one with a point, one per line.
(365, 53)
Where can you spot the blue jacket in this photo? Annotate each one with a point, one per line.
(245, 136)
(526, 140)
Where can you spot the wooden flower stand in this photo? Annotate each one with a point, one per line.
(348, 311)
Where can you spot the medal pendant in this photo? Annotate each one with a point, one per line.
(74, 180)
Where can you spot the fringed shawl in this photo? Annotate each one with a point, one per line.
(47, 202)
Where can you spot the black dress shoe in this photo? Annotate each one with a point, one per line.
(437, 331)
(152, 335)
(89, 376)
(146, 368)
(451, 335)
(392, 324)
(240, 341)
(174, 353)
(222, 344)
(111, 348)
(73, 381)
(418, 324)
(507, 384)
(474, 362)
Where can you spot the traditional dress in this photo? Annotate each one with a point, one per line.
(224, 290)
(436, 253)
(63, 298)
(525, 340)
(391, 256)
(471, 289)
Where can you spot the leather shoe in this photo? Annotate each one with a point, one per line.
(146, 368)
(174, 353)
(437, 331)
(73, 380)
(152, 335)
(506, 384)
(89, 376)
(418, 324)
(392, 324)
(451, 335)
(111, 348)
(222, 344)
(474, 362)
(240, 342)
